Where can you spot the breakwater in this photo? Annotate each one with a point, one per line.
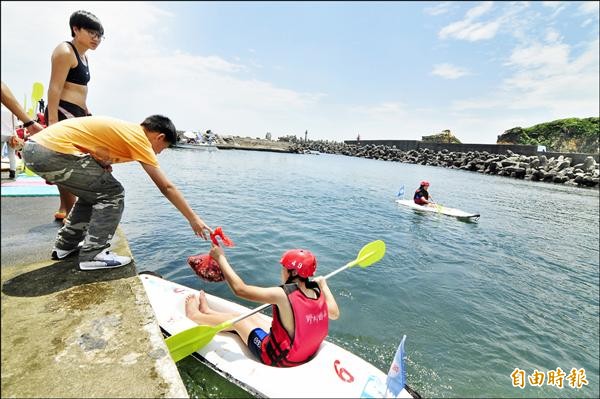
(583, 172)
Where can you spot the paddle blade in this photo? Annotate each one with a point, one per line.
(37, 92)
(189, 341)
(28, 171)
(371, 253)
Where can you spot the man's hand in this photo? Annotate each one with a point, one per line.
(200, 228)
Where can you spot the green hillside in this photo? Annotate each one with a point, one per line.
(562, 135)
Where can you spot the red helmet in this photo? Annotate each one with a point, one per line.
(424, 183)
(301, 260)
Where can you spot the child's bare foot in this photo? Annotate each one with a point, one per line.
(203, 303)
(191, 307)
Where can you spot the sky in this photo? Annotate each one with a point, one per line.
(384, 70)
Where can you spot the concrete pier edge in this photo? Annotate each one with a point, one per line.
(69, 333)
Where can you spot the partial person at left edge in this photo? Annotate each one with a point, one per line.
(8, 128)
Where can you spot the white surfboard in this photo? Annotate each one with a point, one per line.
(439, 209)
(332, 373)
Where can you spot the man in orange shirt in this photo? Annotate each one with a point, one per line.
(78, 153)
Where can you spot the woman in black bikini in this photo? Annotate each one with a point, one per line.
(67, 91)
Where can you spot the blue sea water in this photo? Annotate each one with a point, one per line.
(517, 290)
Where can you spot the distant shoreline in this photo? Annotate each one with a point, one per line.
(254, 147)
(545, 168)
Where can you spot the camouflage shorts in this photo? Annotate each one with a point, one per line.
(100, 202)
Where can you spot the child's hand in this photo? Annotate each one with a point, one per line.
(216, 252)
(320, 280)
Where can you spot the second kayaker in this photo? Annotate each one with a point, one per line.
(422, 196)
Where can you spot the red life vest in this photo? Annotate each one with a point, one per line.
(421, 193)
(311, 324)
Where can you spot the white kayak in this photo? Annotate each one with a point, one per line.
(439, 209)
(332, 373)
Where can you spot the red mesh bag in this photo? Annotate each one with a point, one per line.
(206, 267)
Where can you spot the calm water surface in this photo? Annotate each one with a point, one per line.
(518, 289)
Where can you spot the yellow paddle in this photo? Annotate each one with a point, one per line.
(189, 341)
(36, 95)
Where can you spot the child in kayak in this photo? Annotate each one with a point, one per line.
(301, 309)
(422, 197)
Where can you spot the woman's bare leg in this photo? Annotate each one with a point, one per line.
(67, 199)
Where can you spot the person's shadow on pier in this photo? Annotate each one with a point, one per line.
(60, 276)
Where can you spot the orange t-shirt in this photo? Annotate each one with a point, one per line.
(107, 139)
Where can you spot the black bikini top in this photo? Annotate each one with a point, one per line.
(79, 75)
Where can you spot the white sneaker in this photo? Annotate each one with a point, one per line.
(63, 253)
(105, 260)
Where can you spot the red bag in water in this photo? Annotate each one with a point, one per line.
(206, 267)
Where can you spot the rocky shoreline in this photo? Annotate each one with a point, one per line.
(560, 170)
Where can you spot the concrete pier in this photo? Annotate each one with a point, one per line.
(69, 333)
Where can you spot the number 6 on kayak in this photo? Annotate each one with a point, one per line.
(189, 341)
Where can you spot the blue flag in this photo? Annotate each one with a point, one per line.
(396, 377)
(401, 191)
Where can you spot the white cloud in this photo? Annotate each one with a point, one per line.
(469, 29)
(557, 6)
(587, 22)
(449, 71)
(385, 109)
(552, 4)
(479, 10)
(552, 35)
(547, 56)
(548, 82)
(438, 9)
(590, 7)
(211, 62)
